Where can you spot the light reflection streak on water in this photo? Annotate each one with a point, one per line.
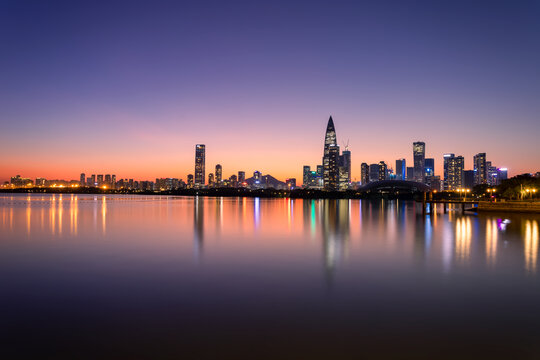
(463, 238)
(104, 214)
(531, 245)
(491, 241)
(28, 214)
(257, 212)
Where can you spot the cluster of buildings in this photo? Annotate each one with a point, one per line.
(335, 171)
(216, 180)
(423, 170)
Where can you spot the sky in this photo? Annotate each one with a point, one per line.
(129, 87)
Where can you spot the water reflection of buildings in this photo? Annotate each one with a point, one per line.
(335, 226)
(198, 227)
(531, 245)
(491, 241)
(463, 239)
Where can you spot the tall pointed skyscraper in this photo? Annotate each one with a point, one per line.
(330, 158)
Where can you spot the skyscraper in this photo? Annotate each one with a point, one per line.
(200, 151)
(306, 172)
(480, 169)
(330, 158)
(210, 179)
(502, 174)
(241, 177)
(373, 172)
(219, 174)
(364, 173)
(344, 169)
(446, 179)
(429, 167)
(401, 169)
(82, 179)
(419, 155)
(453, 172)
(190, 181)
(410, 173)
(382, 170)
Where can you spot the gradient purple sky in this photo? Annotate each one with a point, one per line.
(130, 87)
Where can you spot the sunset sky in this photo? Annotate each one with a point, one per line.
(129, 88)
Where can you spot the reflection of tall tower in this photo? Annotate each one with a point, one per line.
(198, 227)
(330, 157)
(335, 232)
(199, 164)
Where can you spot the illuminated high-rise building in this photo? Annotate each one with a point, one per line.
(419, 155)
(211, 179)
(480, 169)
(100, 180)
(108, 180)
(200, 153)
(373, 172)
(93, 180)
(364, 173)
(241, 177)
(453, 172)
(219, 174)
(502, 174)
(344, 169)
(330, 158)
(82, 179)
(190, 181)
(306, 172)
(382, 170)
(401, 169)
(429, 167)
(233, 181)
(113, 180)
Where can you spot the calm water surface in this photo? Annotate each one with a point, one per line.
(86, 276)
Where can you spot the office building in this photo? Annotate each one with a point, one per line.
(241, 177)
(306, 174)
(200, 153)
(330, 158)
(468, 179)
(480, 169)
(190, 181)
(383, 171)
(410, 173)
(429, 167)
(401, 169)
(502, 175)
(82, 179)
(373, 172)
(344, 169)
(219, 174)
(210, 179)
(364, 173)
(419, 155)
(453, 172)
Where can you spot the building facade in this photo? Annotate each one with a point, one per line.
(419, 155)
(200, 153)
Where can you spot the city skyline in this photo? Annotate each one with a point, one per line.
(112, 97)
(334, 173)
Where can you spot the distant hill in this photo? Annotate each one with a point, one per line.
(268, 181)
